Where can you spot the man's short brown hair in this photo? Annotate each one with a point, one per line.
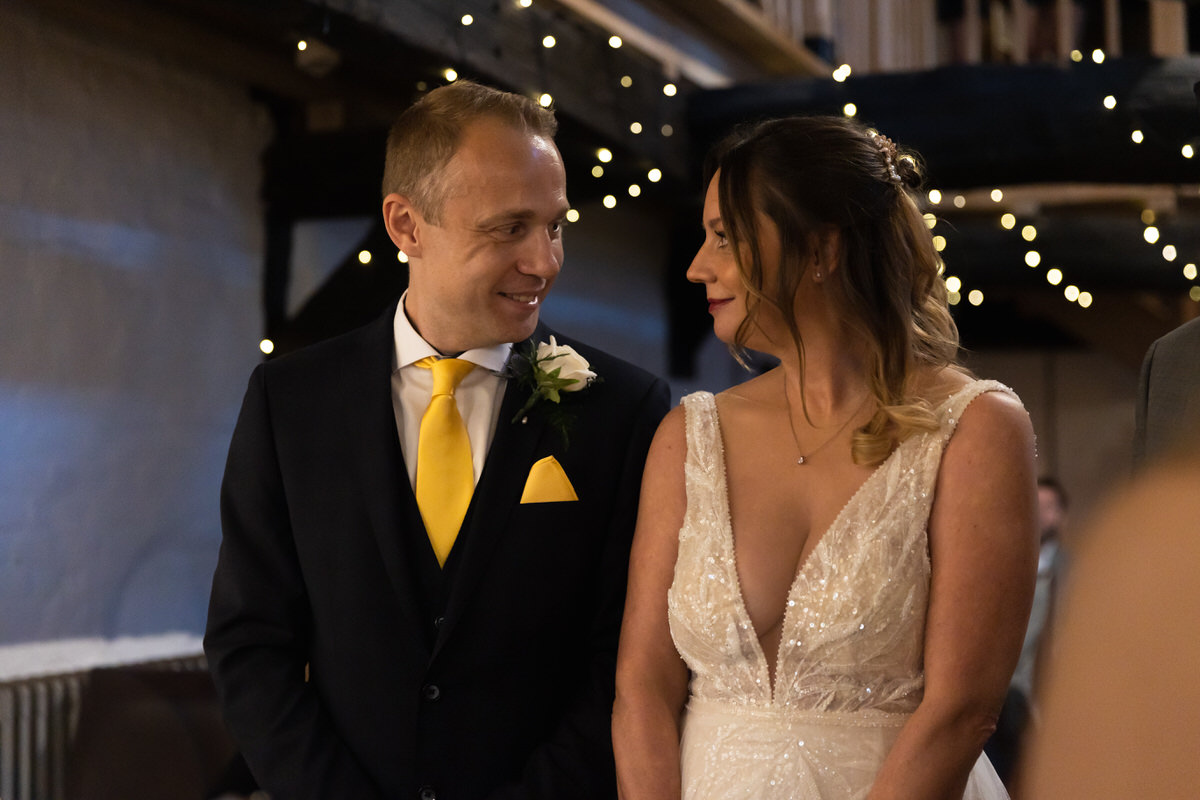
(426, 136)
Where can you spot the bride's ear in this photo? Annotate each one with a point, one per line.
(827, 253)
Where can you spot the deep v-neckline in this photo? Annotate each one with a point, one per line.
(801, 569)
(822, 542)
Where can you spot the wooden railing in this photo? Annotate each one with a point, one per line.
(905, 35)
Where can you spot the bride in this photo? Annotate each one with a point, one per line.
(834, 560)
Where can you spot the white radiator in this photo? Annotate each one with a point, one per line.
(38, 717)
(42, 687)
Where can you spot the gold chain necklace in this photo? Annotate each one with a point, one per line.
(804, 459)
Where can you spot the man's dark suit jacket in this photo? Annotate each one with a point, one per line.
(1168, 401)
(493, 679)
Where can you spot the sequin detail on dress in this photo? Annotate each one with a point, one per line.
(849, 668)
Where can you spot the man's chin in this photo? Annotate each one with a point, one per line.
(523, 331)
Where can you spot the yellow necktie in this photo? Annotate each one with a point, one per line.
(445, 476)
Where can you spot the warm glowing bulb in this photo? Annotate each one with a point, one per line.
(849, 109)
(450, 74)
(1194, 294)
(654, 175)
(626, 81)
(1169, 253)
(1148, 216)
(935, 196)
(1150, 234)
(1098, 56)
(959, 201)
(614, 42)
(548, 42)
(997, 195)
(953, 283)
(669, 89)
(1071, 293)
(524, 3)
(975, 297)
(1033, 258)
(939, 243)
(667, 130)
(634, 190)
(1054, 276)
(610, 201)
(1076, 56)
(1110, 102)
(1085, 299)
(1008, 221)
(953, 298)
(1137, 136)
(572, 215)
(402, 257)
(930, 220)
(545, 100)
(1189, 271)
(635, 127)
(364, 256)
(267, 346)
(1187, 150)
(467, 19)
(300, 45)
(597, 171)
(1029, 233)
(604, 154)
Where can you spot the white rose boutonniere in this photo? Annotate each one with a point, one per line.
(548, 370)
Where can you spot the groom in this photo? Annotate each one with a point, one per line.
(418, 593)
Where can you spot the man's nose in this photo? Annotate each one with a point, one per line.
(543, 256)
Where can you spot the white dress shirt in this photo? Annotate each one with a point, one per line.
(478, 396)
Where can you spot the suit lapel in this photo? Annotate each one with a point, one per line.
(497, 494)
(382, 472)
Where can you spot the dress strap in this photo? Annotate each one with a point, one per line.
(951, 410)
(704, 447)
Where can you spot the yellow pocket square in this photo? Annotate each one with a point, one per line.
(547, 483)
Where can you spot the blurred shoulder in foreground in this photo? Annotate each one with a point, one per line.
(1122, 703)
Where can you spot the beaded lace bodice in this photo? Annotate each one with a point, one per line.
(853, 628)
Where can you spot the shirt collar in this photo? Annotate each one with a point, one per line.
(411, 347)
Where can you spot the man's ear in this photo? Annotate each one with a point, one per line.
(403, 223)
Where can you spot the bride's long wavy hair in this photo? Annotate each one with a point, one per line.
(811, 174)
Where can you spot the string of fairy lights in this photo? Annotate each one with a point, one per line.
(1054, 275)
(957, 291)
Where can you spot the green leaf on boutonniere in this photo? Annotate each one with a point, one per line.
(547, 370)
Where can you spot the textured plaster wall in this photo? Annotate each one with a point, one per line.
(130, 249)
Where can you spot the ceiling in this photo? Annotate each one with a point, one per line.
(1040, 133)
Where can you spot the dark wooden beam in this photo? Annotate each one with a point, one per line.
(999, 125)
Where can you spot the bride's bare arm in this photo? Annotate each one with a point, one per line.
(983, 551)
(651, 677)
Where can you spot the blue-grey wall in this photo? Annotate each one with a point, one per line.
(130, 244)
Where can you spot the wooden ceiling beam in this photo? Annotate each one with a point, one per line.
(745, 30)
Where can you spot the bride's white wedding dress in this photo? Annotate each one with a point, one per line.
(849, 668)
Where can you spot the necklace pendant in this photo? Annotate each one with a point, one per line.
(800, 460)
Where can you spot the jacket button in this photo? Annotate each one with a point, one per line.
(427, 793)
(430, 691)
